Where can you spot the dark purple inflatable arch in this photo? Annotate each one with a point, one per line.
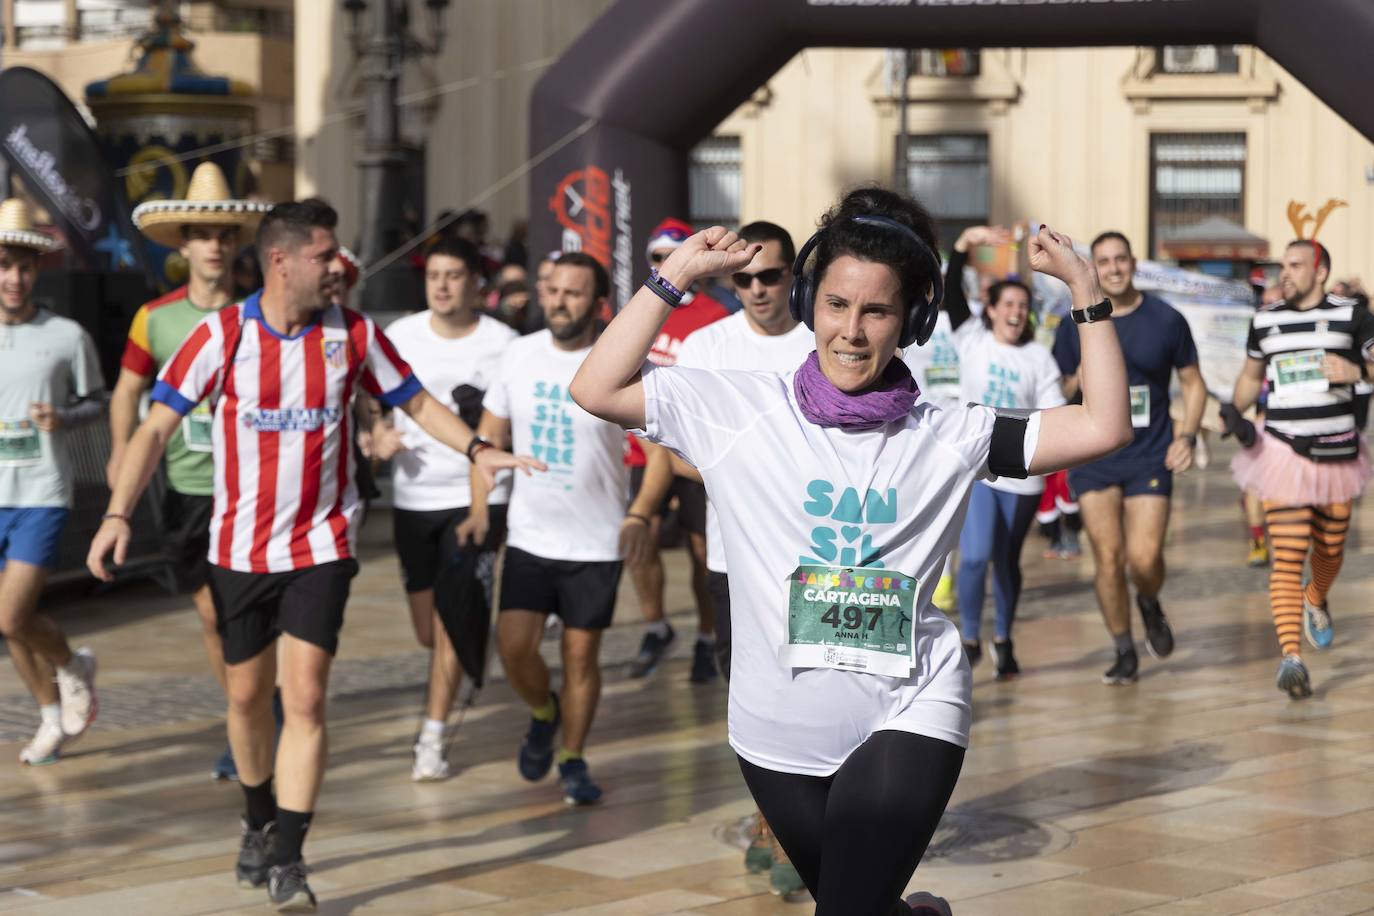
(650, 78)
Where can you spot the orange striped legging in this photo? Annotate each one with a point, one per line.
(1294, 531)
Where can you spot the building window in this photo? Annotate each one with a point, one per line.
(1199, 59)
(945, 62)
(949, 174)
(713, 183)
(1195, 177)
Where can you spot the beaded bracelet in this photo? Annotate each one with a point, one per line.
(664, 289)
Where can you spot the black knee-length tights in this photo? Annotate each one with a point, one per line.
(857, 836)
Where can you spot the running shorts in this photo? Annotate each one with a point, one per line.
(582, 594)
(186, 538)
(253, 609)
(31, 535)
(691, 500)
(425, 541)
(1135, 478)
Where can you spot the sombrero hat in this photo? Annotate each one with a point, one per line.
(16, 228)
(208, 202)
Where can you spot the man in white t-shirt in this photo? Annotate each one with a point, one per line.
(762, 336)
(568, 530)
(447, 553)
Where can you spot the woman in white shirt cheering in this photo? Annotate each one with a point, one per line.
(1001, 367)
(839, 495)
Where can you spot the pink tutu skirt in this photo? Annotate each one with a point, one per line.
(1275, 473)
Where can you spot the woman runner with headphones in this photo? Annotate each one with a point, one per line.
(839, 496)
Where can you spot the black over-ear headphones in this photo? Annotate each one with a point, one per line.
(921, 312)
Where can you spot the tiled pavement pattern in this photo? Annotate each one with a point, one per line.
(1201, 790)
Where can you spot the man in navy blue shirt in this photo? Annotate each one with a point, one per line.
(1124, 498)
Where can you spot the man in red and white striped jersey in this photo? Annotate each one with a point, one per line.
(279, 370)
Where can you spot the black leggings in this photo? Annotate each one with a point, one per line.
(857, 836)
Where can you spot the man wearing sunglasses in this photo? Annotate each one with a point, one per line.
(763, 336)
(696, 312)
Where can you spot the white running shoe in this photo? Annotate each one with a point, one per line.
(430, 765)
(77, 691)
(45, 746)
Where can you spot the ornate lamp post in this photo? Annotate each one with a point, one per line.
(382, 48)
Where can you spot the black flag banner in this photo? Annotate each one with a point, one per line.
(49, 146)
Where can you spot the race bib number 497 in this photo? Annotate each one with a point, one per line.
(850, 619)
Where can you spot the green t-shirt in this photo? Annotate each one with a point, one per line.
(155, 336)
(46, 360)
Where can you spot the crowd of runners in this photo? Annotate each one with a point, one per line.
(848, 456)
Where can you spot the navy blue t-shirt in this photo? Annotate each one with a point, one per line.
(1156, 340)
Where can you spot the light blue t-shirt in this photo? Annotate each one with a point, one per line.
(46, 360)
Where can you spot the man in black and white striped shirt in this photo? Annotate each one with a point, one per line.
(1310, 463)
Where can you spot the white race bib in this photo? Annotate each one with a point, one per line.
(1298, 372)
(1140, 406)
(20, 444)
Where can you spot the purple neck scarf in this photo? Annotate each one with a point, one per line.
(825, 405)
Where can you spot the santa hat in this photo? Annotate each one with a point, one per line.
(670, 233)
(352, 267)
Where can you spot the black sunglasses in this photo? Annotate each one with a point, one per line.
(657, 257)
(770, 277)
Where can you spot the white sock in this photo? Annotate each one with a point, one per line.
(433, 727)
(706, 639)
(659, 628)
(51, 712)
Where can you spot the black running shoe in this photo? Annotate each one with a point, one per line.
(536, 751)
(651, 651)
(255, 856)
(1124, 671)
(973, 651)
(703, 663)
(1159, 636)
(1007, 669)
(288, 890)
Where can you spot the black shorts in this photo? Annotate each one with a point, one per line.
(581, 594)
(253, 609)
(691, 500)
(1135, 478)
(186, 538)
(426, 541)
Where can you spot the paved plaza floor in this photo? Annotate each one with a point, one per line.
(1199, 790)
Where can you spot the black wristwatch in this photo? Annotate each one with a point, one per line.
(1092, 313)
(476, 445)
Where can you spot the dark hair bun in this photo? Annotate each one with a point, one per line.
(883, 245)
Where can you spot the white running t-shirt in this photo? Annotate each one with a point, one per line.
(936, 364)
(428, 475)
(790, 493)
(996, 374)
(572, 511)
(732, 343)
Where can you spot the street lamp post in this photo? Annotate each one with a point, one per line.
(383, 51)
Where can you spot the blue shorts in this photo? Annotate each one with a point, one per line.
(32, 536)
(1148, 477)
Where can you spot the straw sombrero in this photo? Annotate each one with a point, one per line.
(208, 203)
(16, 228)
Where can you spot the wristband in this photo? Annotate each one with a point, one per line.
(1192, 438)
(119, 515)
(664, 289)
(637, 517)
(475, 446)
(1092, 313)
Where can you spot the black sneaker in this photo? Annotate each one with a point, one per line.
(536, 751)
(1159, 636)
(1007, 669)
(288, 890)
(1124, 671)
(703, 663)
(973, 651)
(255, 856)
(651, 651)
